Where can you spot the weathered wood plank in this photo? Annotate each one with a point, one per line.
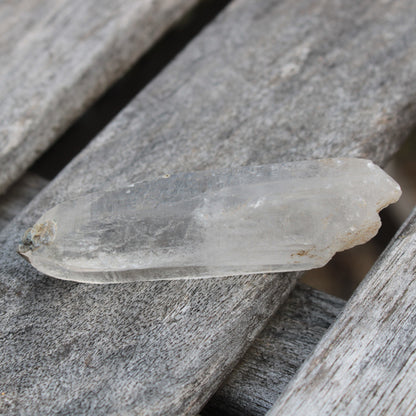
(267, 81)
(57, 56)
(271, 361)
(19, 195)
(366, 364)
(276, 354)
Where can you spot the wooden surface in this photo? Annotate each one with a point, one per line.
(273, 358)
(18, 196)
(57, 56)
(266, 82)
(276, 354)
(366, 364)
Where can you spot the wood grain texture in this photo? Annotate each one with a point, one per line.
(366, 364)
(266, 82)
(273, 358)
(19, 195)
(57, 56)
(277, 353)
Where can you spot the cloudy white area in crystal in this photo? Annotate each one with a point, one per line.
(258, 219)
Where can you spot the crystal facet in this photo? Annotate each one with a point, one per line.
(281, 217)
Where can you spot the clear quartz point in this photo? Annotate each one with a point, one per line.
(256, 219)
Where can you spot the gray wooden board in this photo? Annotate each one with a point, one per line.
(273, 358)
(366, 363)
(275, 355)
(267, 81)
(19, 195)
(57, 56)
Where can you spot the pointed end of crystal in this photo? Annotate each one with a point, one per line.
(22, 254)
(381, 191)
(389, 192)
(392, 194)
(42, 233)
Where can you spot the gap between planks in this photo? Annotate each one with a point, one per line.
(366, 363)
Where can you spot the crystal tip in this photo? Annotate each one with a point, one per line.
(40, 234)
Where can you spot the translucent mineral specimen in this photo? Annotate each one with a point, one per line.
(282, 217)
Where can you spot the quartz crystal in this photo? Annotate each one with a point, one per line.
(256, 219)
